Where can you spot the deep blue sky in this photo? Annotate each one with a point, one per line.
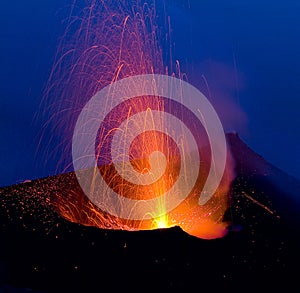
(248, 51)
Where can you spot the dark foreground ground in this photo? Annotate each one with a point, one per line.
(43, 252)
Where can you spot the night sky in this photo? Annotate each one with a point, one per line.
(248, 52)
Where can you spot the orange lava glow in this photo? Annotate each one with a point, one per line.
(201, 221)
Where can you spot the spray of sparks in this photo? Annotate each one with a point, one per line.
(104, 42)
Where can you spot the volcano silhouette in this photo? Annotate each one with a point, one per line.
(261, 251)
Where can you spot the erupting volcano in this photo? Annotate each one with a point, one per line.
(139, 149)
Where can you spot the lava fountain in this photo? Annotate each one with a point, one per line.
(148, 149)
